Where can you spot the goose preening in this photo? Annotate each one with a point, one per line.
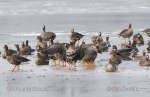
(102, 46)
(148, 49)
(15, 60)
(46, 36)
(145, 61)
(114, 57)
(135, 56)
(56, 52)
(127, 33)
(111, 67)
(73, 54)
(6, 49)
(138, 39)
(94, 38)
(40, 60)
(75, 36)
(147, 31)
(124, 53)
(41, 43)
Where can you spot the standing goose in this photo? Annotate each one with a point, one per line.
(127, 33)
(145, 61)
(147, 31)
(15, 60)
(73, 54)
(41, 43)
(138, 39)
(75, 36)
(6, 49)
(89, 57)
(40, 60)
(94, 38)
(46, 36)
(56, 52)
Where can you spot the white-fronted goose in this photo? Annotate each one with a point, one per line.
(94, 38)
(41, 42)
(138, 39)
(147, 31)
(6, 49)
(90, 54)
(73, 54)
(127, 33)
(15, 60)
(56, 52)
(135, 56)
(114, 57)
(102, 46)
(148, 49)
(24, 49)
(145, 61)
(148, 43)
(29, 47)
(40, 60)
(46, 36)
(75, 36)
(111, 67)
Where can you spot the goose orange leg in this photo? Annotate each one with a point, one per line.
(14, 68)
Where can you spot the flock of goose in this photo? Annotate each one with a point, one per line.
(67, 54)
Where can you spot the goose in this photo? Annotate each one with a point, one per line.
(46, 36)
(15, 60)
(41, 42)
(147, 31)
(148, 43)
(111, 67)
(138, 39)
(135, 56)
(115, 57)
(145, 61)
(127, 33)
(94, 38)
(148, 49)
(29, 47)
(75, 36)
(6, 49)
(40, 60)
(90, 54)
(24, 50)
(54, 50)
(44, 55)
(73, 54)
(102, 46)
(124, 53)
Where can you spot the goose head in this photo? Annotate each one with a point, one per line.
(5, 47)
(130, 25)
(39, 38)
